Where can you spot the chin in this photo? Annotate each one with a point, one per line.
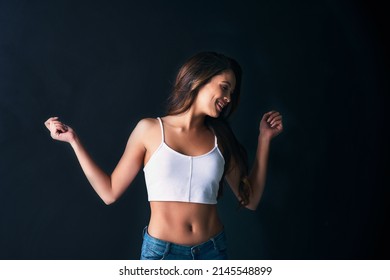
(215, 115)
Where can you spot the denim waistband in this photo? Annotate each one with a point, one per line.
(217, 242)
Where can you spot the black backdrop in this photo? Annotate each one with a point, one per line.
(103, 65)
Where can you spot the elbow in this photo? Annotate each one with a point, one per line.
(109, 197)
(108, 200)
(251, 207)
(254, 201)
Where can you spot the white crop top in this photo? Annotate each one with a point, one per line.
(173, 176)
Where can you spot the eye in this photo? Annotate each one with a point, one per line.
(225, 87)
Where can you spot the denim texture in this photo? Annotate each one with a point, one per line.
(155, 249)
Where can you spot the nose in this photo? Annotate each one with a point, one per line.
(226, 99)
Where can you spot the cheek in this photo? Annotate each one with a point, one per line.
(206, 97)
(207, 102)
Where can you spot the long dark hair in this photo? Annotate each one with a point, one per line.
(197, 71)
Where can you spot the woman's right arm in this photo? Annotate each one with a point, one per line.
(108, 187)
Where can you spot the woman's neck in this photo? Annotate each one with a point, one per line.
(188, 121)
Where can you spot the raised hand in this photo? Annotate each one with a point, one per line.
(60, 131)
(271, 124)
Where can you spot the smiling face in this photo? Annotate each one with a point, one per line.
(214, 96)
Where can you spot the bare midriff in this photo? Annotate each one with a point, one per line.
(183, 223)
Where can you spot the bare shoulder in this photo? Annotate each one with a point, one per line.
(146, 125)
(148, 131)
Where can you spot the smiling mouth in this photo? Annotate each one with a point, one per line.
(220, 105)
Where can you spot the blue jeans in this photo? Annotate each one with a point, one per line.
(155, 249)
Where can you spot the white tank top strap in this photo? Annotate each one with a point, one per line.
(162, 129)
(215, 137)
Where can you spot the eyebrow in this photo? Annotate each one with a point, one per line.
(227, 83)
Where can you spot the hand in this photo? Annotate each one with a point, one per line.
(271, 125)
(60, 131)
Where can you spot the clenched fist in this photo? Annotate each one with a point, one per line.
(60, 131)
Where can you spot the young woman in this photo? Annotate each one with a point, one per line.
(186, 156)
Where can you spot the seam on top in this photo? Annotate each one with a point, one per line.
(190, 180)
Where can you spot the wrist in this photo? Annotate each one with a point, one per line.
(264, 139)
(74, 142)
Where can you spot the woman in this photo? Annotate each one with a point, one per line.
(186, 156)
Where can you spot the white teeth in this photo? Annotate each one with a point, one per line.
(220, 105)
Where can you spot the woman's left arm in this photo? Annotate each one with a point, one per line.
(270, 126)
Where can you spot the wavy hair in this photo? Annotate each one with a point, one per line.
(196, 72)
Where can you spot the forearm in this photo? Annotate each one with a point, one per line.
(99, 180)
(258, 174)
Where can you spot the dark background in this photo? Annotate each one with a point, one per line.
(101, 66)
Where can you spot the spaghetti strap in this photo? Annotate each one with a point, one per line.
(162, 129)
(215, 137)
